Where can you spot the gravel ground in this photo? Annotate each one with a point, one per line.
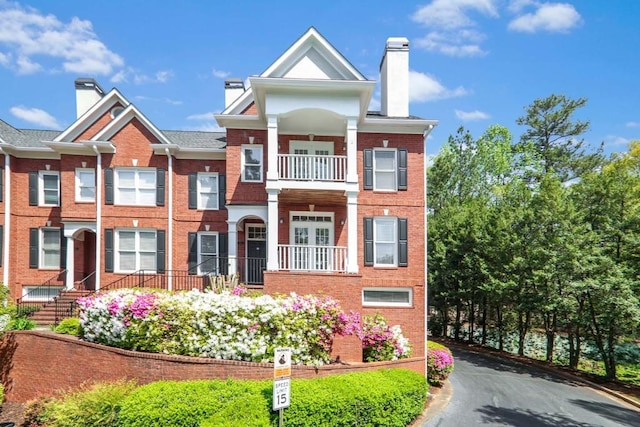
(11, 411)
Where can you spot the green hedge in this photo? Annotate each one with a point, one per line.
(380, 398)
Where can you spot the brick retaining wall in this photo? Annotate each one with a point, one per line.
(36, 363)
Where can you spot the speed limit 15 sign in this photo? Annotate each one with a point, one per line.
(281, 393)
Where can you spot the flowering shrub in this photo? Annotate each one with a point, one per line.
(381, 341)
(439, 363)
(221, 326)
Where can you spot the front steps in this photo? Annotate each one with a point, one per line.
(54, 311)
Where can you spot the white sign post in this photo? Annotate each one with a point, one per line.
(281, 380)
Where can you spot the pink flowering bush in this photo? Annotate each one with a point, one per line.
(381, 341)
(439, 363)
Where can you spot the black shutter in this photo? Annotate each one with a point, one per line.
(192, 250)
(63, 249)
(223, 253)
(1, 244)
(2, 184)
(160, 187)
(193, 190)
(34, 236)
(403, 258)
(108, 250)
(402, 169)
(222, 191)
(108, 187)
(368, 168)
(33, 188)
(161, 245)
(368, 241)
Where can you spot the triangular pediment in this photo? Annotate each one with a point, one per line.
(124, 118)
(312, 57)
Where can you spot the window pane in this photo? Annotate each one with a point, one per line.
(147, 179)
(252, 156)
(50, 182)
(147, 261)
(147, 197)
(385, 231)
(126, 178)
(208, 183)
(385, 181)
(208, 201)
(208, 264)
(127, 240)
(127, 196)
(51, 258)
(208, 244)
(127, 261)
(385, 253)
(385, 160)
(252, 173)
(51, 197)
(147, 241)
(88, 193)
(50, 239)
(87, 179)
(399, 296)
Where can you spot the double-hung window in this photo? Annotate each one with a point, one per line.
(49, 248)
(85, 185)
(385, 169)
(251, 163)
(208, 253)
(135, 186)
(135, 250)
(207, 190)
(49, 185)
(385, 241)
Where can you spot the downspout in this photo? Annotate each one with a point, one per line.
(169, 249)
(426, 251)
(98, 216)
(7, 218)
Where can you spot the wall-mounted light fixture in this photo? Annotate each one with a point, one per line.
(281, 220)
(342, 221)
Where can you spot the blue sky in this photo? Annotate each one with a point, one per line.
(473, 62)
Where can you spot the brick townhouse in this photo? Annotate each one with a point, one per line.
(307, 191)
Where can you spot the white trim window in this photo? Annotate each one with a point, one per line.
(49, 194)
(85, 185)
(251, 163)
(136, 249)
(387, 297)
(207, 252)
(49, 248)
(208, 190)
(385, 169)
(135, 186)
(385, 241)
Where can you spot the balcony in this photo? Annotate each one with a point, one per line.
(299, 167)
(325, 259)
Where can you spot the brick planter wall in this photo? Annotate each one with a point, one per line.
(37, 363)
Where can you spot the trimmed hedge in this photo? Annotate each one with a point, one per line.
(69, 326)
(391, 397)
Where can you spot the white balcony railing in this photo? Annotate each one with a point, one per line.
(328, 259)
(312, 168)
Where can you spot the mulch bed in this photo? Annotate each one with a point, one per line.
(12, 411)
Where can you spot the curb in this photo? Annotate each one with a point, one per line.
(558, 372)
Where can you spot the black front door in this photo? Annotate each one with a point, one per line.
(256, 261)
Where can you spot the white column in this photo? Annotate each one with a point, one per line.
(169, 196)
(7, 218)
(272, 231)
(272, 148)
(352, 150)
(352, 232)
(232, 241)
(70, 264)
(98, 248)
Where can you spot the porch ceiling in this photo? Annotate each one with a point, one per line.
(316, 197)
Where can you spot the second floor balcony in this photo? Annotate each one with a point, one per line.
(306, 167)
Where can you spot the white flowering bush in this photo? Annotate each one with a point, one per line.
(221, 326)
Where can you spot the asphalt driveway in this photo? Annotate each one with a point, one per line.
(489, 391)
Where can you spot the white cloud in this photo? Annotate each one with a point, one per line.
(632, 124)
(29, 34)
(220, 74)
(517, 5)
(616, 141)
(423, 88)
(202, 116)
(165, 100)
(135, 76)
(552, 17)
(471, 115)
(5, 59)
(35, 116)
(453, 30)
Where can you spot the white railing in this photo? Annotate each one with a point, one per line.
(312, 168)
(328, 259)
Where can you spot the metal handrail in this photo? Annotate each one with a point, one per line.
(40, 295)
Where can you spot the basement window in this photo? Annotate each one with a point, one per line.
(387, 297)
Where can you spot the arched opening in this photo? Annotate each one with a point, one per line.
(84, 259)
(252, 250)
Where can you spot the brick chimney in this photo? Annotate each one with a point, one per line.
(394, 78)
(88, 93)
(233, 88)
